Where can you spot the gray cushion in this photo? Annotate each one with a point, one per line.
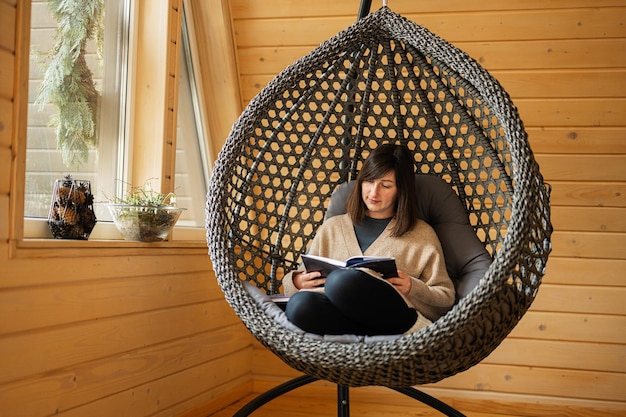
(467, 260)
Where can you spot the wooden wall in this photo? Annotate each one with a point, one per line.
(564, 64)
(103, 328)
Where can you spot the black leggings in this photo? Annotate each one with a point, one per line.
(354, 303)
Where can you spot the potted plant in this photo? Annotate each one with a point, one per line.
(145, 215)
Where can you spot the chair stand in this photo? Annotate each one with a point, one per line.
(343, 398)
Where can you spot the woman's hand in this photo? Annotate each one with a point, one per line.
(307, 280)
(402, 282)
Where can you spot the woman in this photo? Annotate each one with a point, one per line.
(381, 220)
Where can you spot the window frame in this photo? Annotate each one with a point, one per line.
(220, 95)
(118, 153)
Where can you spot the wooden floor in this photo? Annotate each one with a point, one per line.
(295, 406)
(319, 399)
(307, 403)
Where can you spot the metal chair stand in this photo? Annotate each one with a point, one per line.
(343, 398)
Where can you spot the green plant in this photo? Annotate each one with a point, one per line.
(145, 196)
(68, 81)
(144, 214)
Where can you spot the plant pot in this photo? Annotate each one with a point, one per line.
(144, 223)
(71, 214)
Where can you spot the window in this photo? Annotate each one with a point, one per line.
(108, 164)
(192, 151)
(108, 64)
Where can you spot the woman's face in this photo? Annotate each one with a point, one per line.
(379, 196)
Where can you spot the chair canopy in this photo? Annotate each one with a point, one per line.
(383, 79)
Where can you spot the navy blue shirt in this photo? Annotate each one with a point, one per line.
(369, 230)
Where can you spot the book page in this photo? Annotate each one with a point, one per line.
(384, 266)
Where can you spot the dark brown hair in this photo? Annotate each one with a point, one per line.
(386, 158)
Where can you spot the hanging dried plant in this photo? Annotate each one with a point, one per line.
(68, 81)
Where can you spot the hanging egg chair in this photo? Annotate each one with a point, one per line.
(383, 79)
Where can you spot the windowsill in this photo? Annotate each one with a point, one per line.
(105, 235)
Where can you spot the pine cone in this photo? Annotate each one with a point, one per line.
(70, 216)
(68, 181)
(78, 197)
(55, 212)
(64, 193)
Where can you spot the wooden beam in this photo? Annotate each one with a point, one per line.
(155, 93)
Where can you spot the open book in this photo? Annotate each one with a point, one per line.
(380, 267)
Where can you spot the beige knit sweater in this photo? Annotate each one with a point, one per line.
(417, 252)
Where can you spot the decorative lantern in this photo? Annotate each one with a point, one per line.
(71, 211)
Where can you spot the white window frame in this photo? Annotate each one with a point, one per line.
(37, 228)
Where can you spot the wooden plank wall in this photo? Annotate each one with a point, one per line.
(97, 328)
(7, 63)
(145, 332)
(564, 64)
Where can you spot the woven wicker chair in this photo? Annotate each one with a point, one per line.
(384, 79)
